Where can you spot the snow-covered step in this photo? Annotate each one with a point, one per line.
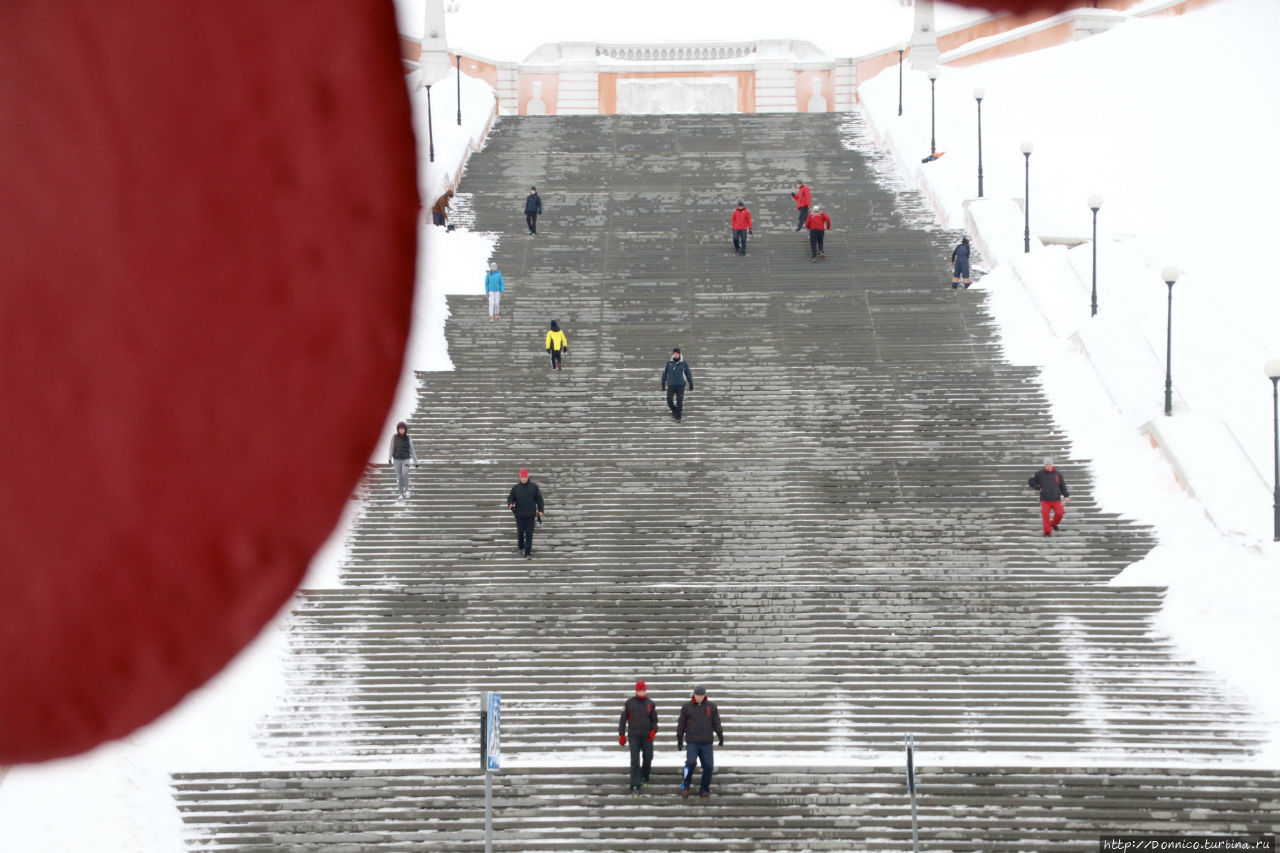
(753, 809)
(840, 528)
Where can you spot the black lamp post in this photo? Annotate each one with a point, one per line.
(1095, 204)
(1273, 373)
(1170, 276)
(1027, 148)
(933, 125)
(459, 57)
(978, 95)
(902, 48)
(431, 136)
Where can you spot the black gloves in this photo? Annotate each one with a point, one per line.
(680, 745)
(664, 386)
(722, 738)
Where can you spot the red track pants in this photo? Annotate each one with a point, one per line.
(1054, 509)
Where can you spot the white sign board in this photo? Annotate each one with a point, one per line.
(493, 733)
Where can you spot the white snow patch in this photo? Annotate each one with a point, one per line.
(1180, 186)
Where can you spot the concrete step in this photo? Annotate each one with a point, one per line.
(832, 808)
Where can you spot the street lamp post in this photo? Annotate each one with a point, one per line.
(1273, 373)
(902, 48)
(933, 125)
(978, 95)
(1170, 276)
(459, 90)
(1095, 204)
(1027, 148)
(431, 136)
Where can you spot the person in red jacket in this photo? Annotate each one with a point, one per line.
(802, 196)
(740, 222)
(818, 224)
(640, 720)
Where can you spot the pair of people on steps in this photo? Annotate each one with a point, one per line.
(698, 724)
(402, 453)
(818, 223)
(676, 376)
(960, 264)
(1053, 494)
(526, 505)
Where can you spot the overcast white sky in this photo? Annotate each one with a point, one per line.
(511, 29)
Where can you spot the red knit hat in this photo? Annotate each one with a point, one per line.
(640, 688)
(524, 472)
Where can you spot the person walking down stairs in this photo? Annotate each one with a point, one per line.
(802, 197)
(960, 264)
(532, 208)
(818, 224)
(676, 376)
(639, 721)
(699, 721)
(493, 285)
(1053, 494)
(740, 222)
(402, 453)
(525, 503)
(557, 345)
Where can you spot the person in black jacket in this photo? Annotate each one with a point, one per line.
(699, 720)
(401, 453)
(525, 503)
(960, 264)
(676, 376)
(639, 719)
(1053, 494)
(532, 207)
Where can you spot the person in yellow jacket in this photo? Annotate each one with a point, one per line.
(557, 345)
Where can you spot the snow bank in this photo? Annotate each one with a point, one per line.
(1171, 160)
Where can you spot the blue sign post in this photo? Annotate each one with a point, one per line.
(490, 757)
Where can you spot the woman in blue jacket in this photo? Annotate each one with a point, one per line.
(493, 286)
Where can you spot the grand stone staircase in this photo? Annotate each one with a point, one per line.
(837, 540)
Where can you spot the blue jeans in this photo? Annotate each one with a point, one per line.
(740, 240)
(693, 752)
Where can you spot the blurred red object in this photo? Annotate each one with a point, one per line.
(207, 242)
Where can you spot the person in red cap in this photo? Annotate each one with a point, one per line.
(525, 503)
(639, 720)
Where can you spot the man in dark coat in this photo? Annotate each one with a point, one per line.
(525, 503)
(1053, 494)
(960, 262)
(639, 720)
(699, 722)
(532, 207)
(676, 376)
